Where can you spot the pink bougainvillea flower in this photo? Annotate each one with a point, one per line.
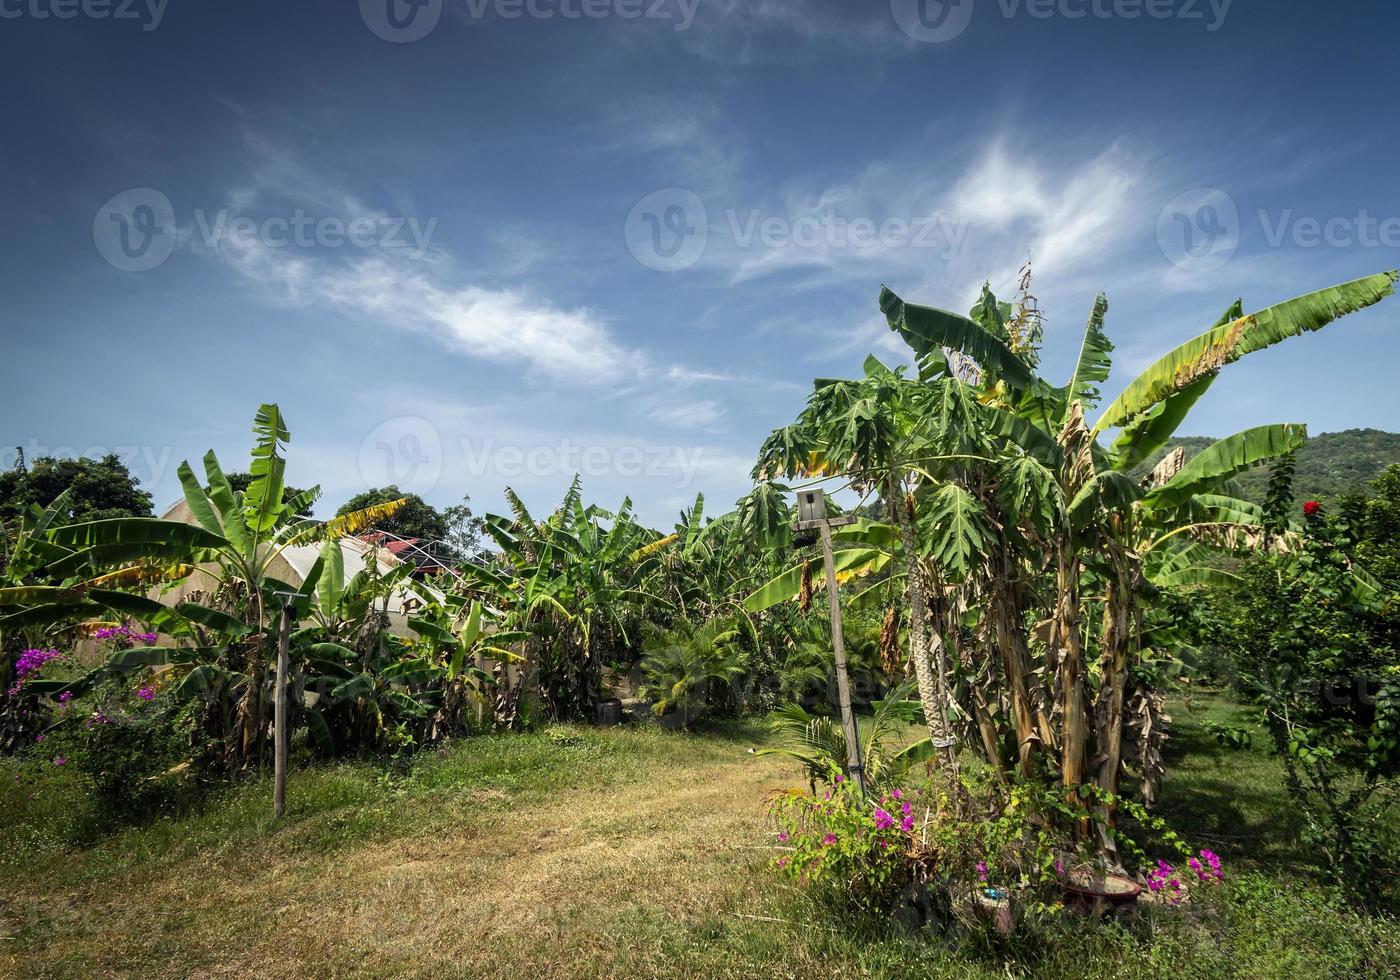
(907, 825)
(883, 821)
(829, 839)
(59, 760)
(783, 836)
(982, 871)
(146, 693)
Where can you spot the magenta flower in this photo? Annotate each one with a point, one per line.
(840, 778)
(906, 809)
(829, 839)
(65, 697)
(146, 693)
(897, 795)
(982, 871)
(30, 662)
(883, 821)
(783, 836)
(59, 760)
(38, 738)
(907, 825)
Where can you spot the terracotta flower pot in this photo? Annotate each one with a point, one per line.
(1100, 894)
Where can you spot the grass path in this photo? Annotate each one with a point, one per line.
(460, 873)
(579, 852)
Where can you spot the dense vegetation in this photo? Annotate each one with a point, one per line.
(1021, 599)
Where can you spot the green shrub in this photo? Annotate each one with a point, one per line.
(129, 743)
(1317, 647)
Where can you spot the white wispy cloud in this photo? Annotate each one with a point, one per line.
(422, 292)
(690, 414)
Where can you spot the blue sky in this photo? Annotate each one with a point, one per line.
(480, 243)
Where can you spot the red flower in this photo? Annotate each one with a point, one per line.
(1312, 508)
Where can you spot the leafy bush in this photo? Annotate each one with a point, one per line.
(1317, 647)
(690, 670)
(952, 847)
(818, 742)
(128, 742)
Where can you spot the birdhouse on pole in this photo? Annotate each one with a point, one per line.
(811, 515)
(811, 512)
(811, 506)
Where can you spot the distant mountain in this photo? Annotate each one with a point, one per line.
(1328, 465)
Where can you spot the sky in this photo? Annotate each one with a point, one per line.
(471, 244)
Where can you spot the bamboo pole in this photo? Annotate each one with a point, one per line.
(855, 765)
(279, 790)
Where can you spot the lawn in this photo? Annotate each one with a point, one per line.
(589, 852)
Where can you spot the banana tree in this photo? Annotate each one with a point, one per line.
(1103, 527)
(229, 550)
(577, 584)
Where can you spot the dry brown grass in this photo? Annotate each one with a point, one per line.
(595, 881)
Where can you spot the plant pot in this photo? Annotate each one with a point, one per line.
(1100, 894)
(995, 905)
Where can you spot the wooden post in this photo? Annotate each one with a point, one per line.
(855, 765)
(279, 757)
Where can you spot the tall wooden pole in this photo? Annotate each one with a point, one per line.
(855, 765)
(279, 756)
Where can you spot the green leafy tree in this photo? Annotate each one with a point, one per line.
(415, 519)
(97, 488)
(464, 531)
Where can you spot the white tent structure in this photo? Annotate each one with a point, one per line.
(294, 564)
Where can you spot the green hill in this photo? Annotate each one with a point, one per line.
(1329, 465)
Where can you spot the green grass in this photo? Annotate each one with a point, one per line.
(583, 852)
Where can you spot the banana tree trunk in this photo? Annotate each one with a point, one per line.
(1117, 649)
(1071, 666)
(1007, 618)
(978, 685)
